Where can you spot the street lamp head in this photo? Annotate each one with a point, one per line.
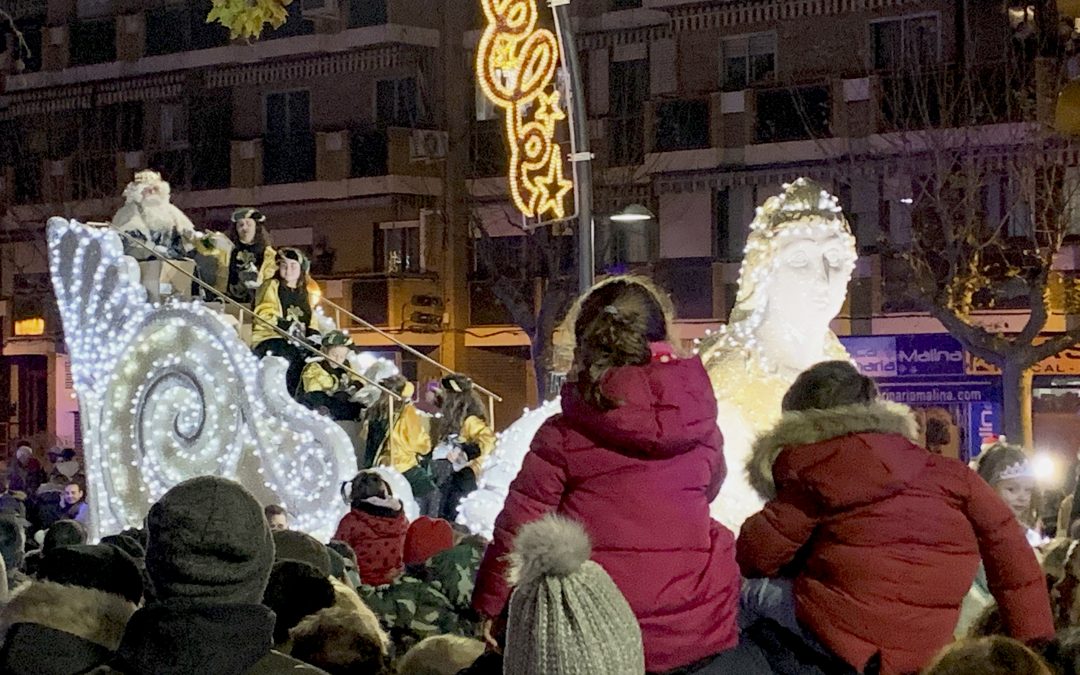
(634, 213)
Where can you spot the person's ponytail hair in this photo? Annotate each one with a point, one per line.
(618, 321)
(830, 384)
(365, 485)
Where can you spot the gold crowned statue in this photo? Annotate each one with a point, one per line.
(798, 260)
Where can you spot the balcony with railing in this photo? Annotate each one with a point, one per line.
(954, 96)
(795, 113)
(680, 124)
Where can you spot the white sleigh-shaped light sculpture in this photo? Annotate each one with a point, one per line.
(167, 392)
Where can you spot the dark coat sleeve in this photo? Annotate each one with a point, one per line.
(537, 491)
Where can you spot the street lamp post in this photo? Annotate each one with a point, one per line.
(579, 133)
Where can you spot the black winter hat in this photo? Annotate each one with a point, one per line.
(127, 545)
(293, 545)
(209, 541)
(99, 566)
(337, 563)
(296, 589)
(64, 532)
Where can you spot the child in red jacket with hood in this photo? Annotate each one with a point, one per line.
(375, 528)
(881, 538)
(635, 457)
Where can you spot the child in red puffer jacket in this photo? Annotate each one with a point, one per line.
(375, 529)
(635, 458)
(878, 538)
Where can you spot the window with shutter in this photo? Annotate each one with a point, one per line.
(905, 41)
(747, 60)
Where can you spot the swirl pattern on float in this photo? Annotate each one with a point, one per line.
(515, 65)
(171, 392)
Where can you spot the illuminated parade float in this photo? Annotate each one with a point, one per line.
(170, 390)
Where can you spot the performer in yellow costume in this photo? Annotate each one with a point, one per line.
(799, 258)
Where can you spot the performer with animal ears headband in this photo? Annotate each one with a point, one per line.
(244, 258)
(286, 302)
(463, 430)
(328, 387)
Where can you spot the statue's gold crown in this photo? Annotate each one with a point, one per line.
(801, 199)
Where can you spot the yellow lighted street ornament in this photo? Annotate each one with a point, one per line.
(515, 65)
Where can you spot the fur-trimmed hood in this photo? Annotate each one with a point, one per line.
(86, 613)
(833, 434)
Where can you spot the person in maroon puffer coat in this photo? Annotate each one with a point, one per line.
(636, 458)
(375, 529)
(882, 538)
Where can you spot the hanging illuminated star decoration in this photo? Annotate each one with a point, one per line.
(515, 65)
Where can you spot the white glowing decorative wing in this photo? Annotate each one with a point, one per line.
(171, 392)
(479, 509)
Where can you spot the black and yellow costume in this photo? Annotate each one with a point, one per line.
(324, 385)
(408, 444)
(291, 310)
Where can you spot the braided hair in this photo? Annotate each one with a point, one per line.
(617, 322)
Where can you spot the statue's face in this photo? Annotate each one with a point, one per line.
(810, 278)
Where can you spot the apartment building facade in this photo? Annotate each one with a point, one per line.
(335, 125)
(358, 130)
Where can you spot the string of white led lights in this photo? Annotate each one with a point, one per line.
(167, 392)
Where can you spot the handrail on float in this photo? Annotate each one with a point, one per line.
(249, 312)
(368, 325)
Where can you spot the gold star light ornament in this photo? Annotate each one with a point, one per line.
(515, 66)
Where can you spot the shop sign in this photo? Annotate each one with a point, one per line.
(984, 423)
(1063, 363)
(930, 355)
(923, 393)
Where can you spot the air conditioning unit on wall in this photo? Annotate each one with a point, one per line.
(427, 145)
(320, 9)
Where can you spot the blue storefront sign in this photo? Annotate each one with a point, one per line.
(985, 421)
(906, 355)
(929, 371)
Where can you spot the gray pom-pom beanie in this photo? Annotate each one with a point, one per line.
(567, 617)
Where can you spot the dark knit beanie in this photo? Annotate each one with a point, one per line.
(127, 545)
(64, 533)
(337, 563)
(99, 566)
(293, 545)
(207, 540)
(296, 589)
